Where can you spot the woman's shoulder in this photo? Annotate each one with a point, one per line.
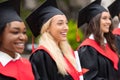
(87, 49)
(39, 54)
(41, 50)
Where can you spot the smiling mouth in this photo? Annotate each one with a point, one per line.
(64, 33)
(20, 45)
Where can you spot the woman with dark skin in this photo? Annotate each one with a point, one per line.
(12, 43)
(98, 52)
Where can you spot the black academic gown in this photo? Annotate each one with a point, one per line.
(116, 32)
(44, 67)
(100, 67)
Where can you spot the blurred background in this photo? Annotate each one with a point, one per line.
(70, 8)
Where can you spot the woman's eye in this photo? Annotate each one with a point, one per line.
(59, 23)
(104, 18)
(15, 32)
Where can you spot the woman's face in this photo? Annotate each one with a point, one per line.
(105, 22)
(59, 28)
(13, 38)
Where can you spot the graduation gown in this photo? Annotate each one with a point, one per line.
(16, 70)
(102, 66)
(45, 68)
(116, 32)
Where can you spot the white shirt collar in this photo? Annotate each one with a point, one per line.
(5, 58)
(92, 37)
(119, 25)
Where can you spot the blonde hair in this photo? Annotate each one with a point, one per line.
(57, 51)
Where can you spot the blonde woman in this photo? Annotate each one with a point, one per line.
(54, 58)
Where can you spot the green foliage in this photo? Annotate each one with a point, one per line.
(72, 34)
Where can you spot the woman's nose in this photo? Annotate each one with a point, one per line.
(23, 36)
(66, 26)
(109, 21)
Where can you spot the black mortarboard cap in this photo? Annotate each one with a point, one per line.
(41, 15)
(114, 8)
(90, 11)
(9, 11)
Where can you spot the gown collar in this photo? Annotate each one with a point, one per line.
(92, 37)
(5, 58)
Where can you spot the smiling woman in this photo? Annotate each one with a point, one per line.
(59, 28)
(15, 35)
(105, 22)
(12, 43)
(98, 52)
(54, 58)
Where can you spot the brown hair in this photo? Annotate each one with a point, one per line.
(94, 28)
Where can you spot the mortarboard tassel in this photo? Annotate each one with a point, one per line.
(33, 48)
(77, 35)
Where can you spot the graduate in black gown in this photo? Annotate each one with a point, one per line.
(12, 43)
(54, 58)
(114, 10)
(98, 52)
